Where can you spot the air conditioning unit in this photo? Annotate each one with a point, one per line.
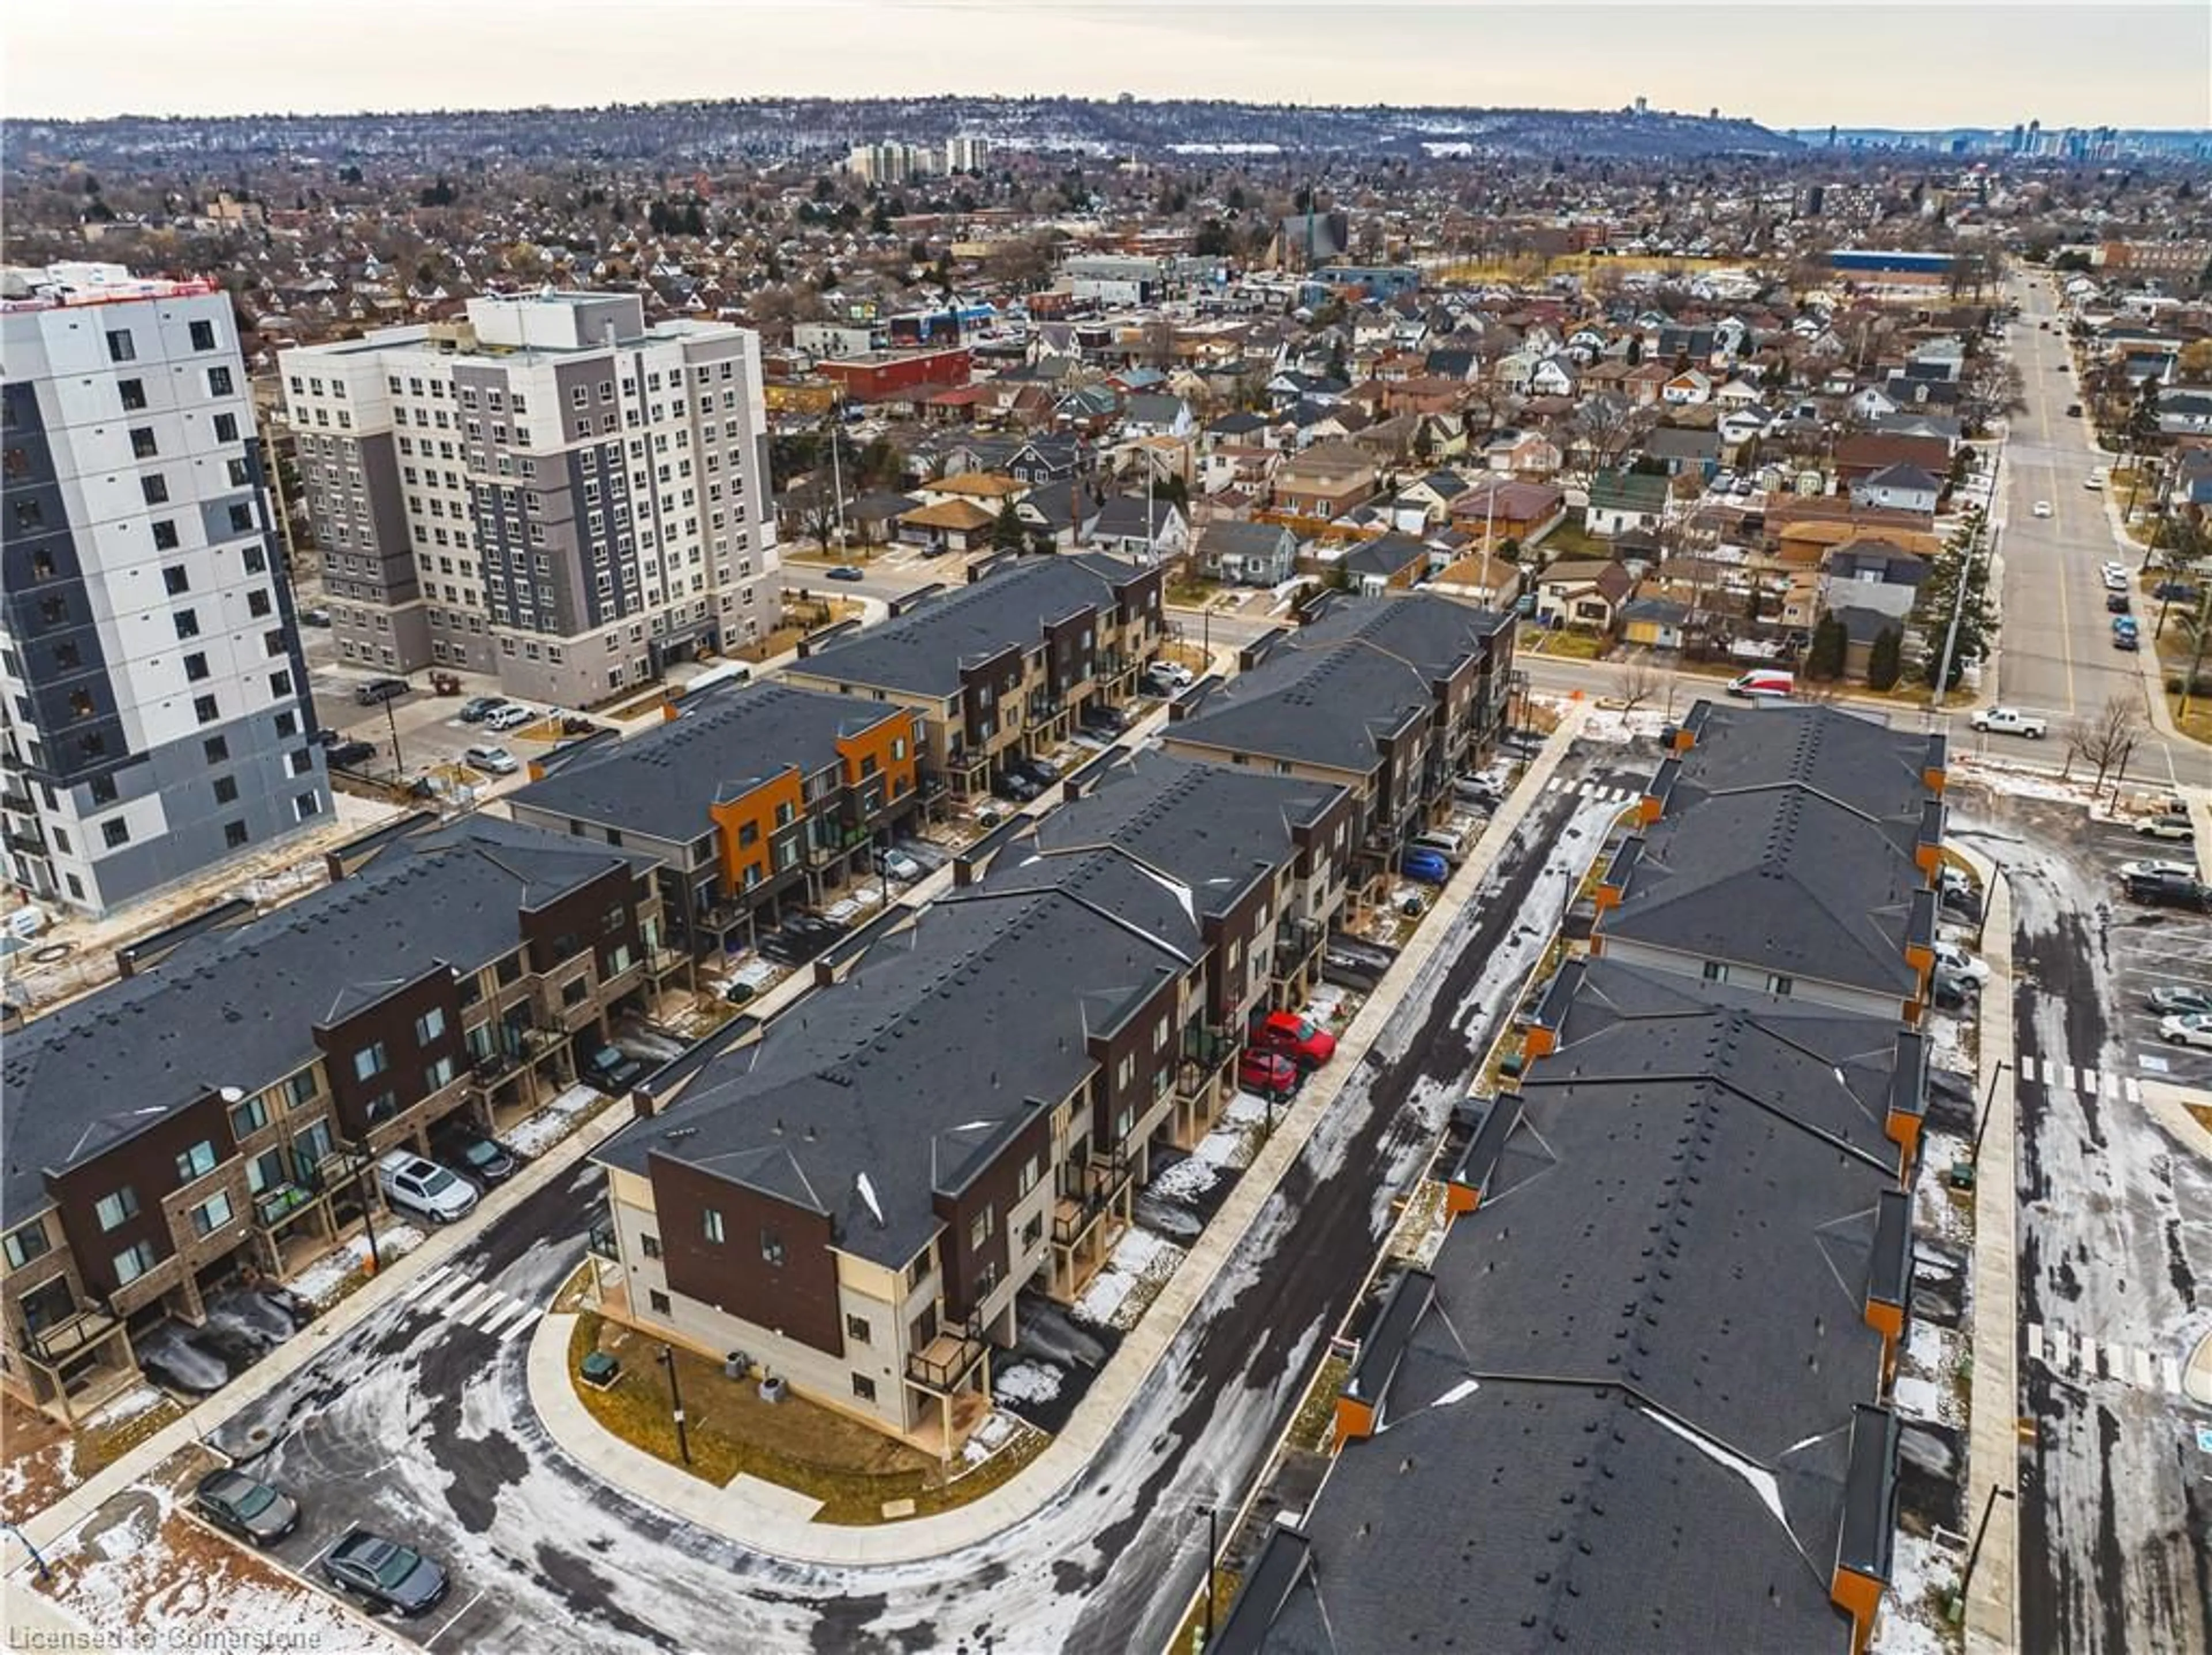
(772, 1387)
(736, 1365)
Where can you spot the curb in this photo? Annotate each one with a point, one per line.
(1144, 1347)
(1993, 1400)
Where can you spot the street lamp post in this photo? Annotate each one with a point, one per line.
(1213, 1552)
(675, 1403)
(357, 1155)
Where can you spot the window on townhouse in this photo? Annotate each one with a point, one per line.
(118, 1209)
(429, 1025)
(369, 1061)
(857, 1329)
(982, 1227)
(133, 1262)
(864, 1387)
(771, 1245)
(26, 1244)
(211, 1214)
(713, 1223)
(648, 1243)
(249, 1118)
(196, 1162)
(658, 1300)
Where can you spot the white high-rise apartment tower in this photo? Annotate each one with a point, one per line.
(157, 718)
(550, 491)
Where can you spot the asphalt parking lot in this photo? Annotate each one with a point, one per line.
(2151, 948)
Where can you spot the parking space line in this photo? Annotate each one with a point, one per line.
(447, 1624)
(2169, 1372)
(416, 1289)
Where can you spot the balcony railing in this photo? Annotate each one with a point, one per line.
(272, 1207)
(944, 1364)
(1295, 939)
(602, 1242)
(83, 1328)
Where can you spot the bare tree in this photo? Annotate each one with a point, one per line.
(1638, 682)
(2106, 740)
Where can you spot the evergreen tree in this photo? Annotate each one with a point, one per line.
(1009, 534)
(1885, 660)
(1958, 583)
(1824, 660)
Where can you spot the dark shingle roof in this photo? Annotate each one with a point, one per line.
(921, 651)
(721, 746)
(238, 1007)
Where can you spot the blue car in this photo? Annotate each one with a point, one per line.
(1426, 865)
(846, 572)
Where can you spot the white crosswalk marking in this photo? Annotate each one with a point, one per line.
(475, 1288)
(2059, 1346)
(1555, 784)
(2146, 1375)
(2169, 1375)
(2035, 1341)
(511, 1310)
(2133, 1090)
(416, 1289)
(2086, 1081)
(525, 1323)
(2092, 1358)
(494, 1301)
(460, 1285)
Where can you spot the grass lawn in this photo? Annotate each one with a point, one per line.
(853, 1469)
(1315, 1424)
(1570, 539)
(45, 1460)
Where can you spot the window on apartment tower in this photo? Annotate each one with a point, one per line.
(120, 346)
(203, 335)
(219, 382)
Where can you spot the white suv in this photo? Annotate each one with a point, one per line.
(407, 1181)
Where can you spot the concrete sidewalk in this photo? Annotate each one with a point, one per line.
(767, 1527)
(1993, 1402)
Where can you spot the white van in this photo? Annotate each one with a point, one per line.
(1764, 684)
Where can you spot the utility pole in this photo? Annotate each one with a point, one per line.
(667, 1359)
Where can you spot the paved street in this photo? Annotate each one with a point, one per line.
(2115, 1249)
(544, 1559)
(2055, 648)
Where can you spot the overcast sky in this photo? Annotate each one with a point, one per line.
(2084, 63)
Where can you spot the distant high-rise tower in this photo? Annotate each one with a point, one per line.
(156, 717)
(964, 154)
(1642, 107)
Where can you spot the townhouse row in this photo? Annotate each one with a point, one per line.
(456, 971)
(220, 1109)
(1639, 1400)
(854, 1196)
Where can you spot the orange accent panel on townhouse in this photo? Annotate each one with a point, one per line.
(757, 809)
(877, 742)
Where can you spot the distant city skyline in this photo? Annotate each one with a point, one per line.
(2088, 64)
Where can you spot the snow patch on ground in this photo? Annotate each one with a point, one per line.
(1917, 1398)
(987, 1438)
(1135, 1272)
(541, 1131)
(2021, 784)
(1026, 1382)
(1610, 724)
(1947, 1044)
(1229, 1147)
(848, 909)
(1935, 1211)
(1921, 1573)
(139, 1399)
(323, 1281)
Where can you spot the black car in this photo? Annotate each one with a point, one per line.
(1039, 772)
(2168, 889)
(384, 1572)
(485, 1161)
(614, 1071)
(1012, 784)
(348, 755)
(1107, 720)
(2116, 604)
(2073, 411)
(241, 1506)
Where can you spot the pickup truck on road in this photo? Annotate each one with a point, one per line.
(2011, 721)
